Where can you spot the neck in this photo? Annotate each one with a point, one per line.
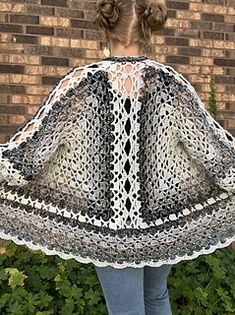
(118, 49)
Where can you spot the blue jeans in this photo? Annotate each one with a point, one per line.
(135, 291)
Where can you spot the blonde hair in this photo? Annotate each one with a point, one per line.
(131, 21)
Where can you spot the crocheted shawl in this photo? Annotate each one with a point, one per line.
(121, 165)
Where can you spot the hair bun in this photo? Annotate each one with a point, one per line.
(155, 15)
(107, 13)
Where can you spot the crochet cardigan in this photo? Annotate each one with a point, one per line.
(120, 166)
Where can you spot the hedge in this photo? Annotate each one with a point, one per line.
(34, 283)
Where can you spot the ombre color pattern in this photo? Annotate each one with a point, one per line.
(120, 166)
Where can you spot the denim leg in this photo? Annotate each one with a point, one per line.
(123, 290)
(155, 290)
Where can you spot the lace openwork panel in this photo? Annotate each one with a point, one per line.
(121, 165)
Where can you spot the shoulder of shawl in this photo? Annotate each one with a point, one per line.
(170, 75)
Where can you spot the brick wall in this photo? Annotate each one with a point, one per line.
(42, 39)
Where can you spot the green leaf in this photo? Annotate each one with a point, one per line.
(15, 308)
(45, 299)
(47, 272)
(11, 247)
(232, 289)
(201, 296)
(32, 301)
(3, 275)
(93, 297)
(4, 299)
(76, 292)
(3, 258)
(16, 277)
(68, 307)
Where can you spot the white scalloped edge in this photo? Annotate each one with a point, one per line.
(116, 265)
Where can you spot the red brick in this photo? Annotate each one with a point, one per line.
(39, 10)
(177, 41)
(213, 17)
(82, 24)
(213, 35)
(24, 39)
(38, 50)
(70, 13)
(69, 33)
(177, 5)
(224, 62)
(11, 28)
(190, 51)
(12, 89)
(50, 80)
(23, 19)
(55, 61)
(178, 59)
(11, 69)
(201, 25)
(55, 3)
(40, 30)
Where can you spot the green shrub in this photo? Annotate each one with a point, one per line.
(204, 285)
(34, 283)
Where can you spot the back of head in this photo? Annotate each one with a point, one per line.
(131, 21)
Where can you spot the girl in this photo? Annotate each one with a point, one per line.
(122, 167)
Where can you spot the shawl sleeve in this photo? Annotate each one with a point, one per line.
(33, 145)
(206, 141)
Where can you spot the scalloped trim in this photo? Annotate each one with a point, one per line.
(116, 265)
